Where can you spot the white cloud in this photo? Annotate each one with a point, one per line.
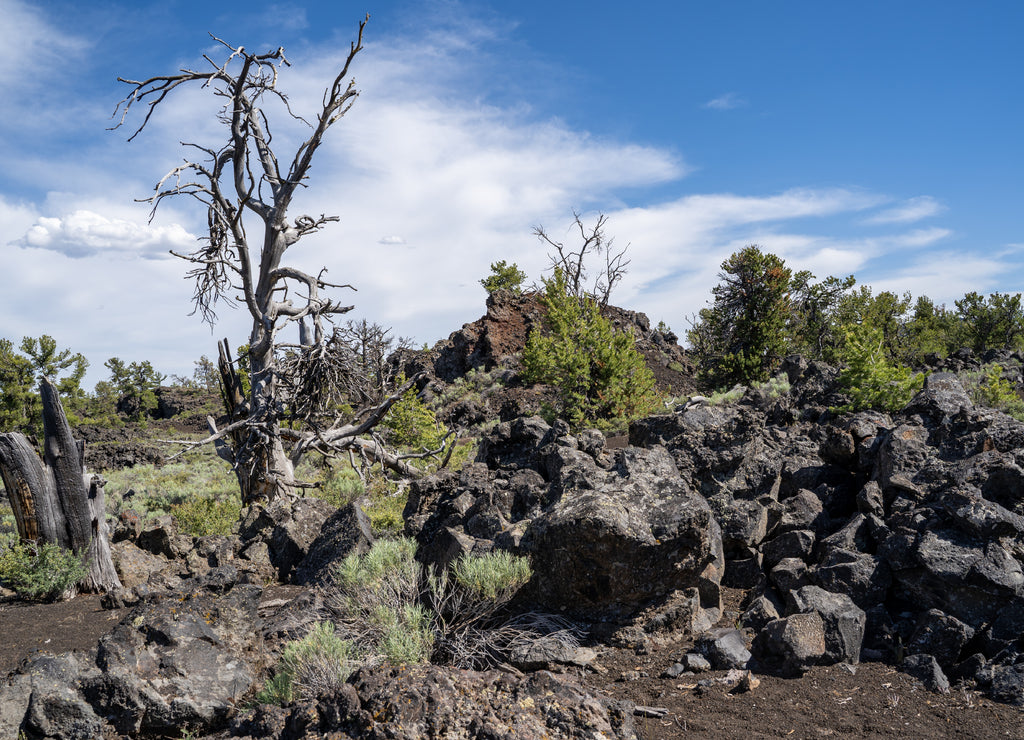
(729, 101)
(423, 162)
(909, 211)
(945, 276)
(85, 234)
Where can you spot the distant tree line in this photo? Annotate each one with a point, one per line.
(127, 393)
(761, 311)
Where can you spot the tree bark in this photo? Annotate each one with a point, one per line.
(53, 499)
(256, 452)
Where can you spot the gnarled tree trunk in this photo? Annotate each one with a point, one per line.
(53, 499)
(256, 451)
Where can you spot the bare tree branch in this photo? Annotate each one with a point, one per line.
(328, 385)
(573, 261)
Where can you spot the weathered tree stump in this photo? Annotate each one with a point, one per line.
(53, 499)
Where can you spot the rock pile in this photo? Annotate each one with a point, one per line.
(896, 537)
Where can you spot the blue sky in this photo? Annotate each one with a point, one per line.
(875, 138)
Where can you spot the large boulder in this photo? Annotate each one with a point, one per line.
(637, 536)
(347, 531)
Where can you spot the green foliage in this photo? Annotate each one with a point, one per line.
(492, 575)
(741, 337)
(504, 277)
(996, 322)
(242, 366)
(134, 385)
(989, 387)
(872, 380)
(601, 378)
(774, 388)
(724, 398)
(205, 515)
(40, 572)
(379, 592)
(412, 423)
(20, 373)
(386, 506)
(885, 312)
(318, 663)
(18, 402)
(339, 487)
(388, 598)
(157, 490)
(390, 565)
(48, 361)
(813, 322)
(407, 634)
(930, 329)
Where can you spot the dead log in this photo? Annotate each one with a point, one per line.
(53, 499)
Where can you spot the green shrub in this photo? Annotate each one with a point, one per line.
(40, 572)
(494, 576)
(158, 489)
(989, 388)
(204, 516)
(413, 424)
(389, 569)
(773, 389)
(724, 398)
(408, 634)
(388, 600)
(379, 598)
(504, 277)
(339, 487)
(601, 378)
(385, 508)
(318, 663)
(871, 380)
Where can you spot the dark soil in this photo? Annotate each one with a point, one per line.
(839, 701)
(867, 700)
(54, 628)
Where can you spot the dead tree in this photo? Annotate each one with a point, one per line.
(572, 262)
(242, 183)
(53, 499)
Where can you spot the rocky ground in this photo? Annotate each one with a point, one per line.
(764, 568)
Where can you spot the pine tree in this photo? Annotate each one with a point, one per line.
(601, 377)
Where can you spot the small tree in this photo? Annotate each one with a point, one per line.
(238, 181)
(19, 374)
(504, 277)
(134, 386)
(871, 379)
(741, 337)
(884, 311)
(813, 325)
(930, 329)
(996, 322)
(600, 376)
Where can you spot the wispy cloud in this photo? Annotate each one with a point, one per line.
(33, 47)
(909, 211)
(288, 16)
(425, 161)
(729, 101)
